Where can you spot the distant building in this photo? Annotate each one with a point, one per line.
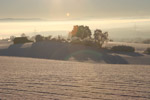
(21, 40)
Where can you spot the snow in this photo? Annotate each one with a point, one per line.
(44, 79)
(61, 71)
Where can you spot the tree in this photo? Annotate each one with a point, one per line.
(81, 32)
(39, 38)
(23, 35)
(100, 37)
(48, 38)
(12, 38)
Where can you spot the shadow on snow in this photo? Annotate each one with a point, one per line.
(63, 51)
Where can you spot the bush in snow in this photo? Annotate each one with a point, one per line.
(123, 48)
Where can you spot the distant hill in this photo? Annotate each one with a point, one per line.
(20, 19)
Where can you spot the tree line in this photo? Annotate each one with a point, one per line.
(79, 35)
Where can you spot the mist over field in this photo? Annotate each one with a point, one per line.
(119, 29)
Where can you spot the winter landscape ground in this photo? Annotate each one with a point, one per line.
(73, 72)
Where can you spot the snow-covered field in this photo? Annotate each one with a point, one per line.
(72, 72)
(39, 79)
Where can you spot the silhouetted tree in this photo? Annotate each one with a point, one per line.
(48, 38)
(100, 37)
(147, 51)
(23, 35)
(39, 38)
(12, 38)
(81, 32)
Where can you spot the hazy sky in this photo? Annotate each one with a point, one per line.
(76, 9)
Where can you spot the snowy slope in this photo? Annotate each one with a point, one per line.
(39, 79)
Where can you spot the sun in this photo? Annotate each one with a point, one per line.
(67, 14)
